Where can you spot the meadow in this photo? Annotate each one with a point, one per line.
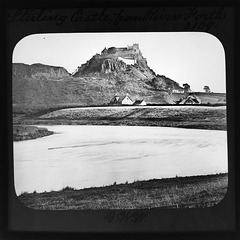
(197, 117)
(178, 192)
(26, 132)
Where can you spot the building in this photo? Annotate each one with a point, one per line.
(121, 100)
(140, 103)
(130, 52)
(190, 99)
(178, 91)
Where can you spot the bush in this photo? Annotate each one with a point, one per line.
(68, 189)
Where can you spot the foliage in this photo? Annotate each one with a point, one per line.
(160, 82)
(186, 87)
(172, 116)
(206, 89)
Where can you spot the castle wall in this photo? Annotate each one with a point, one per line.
(127, 61)
(131, 52)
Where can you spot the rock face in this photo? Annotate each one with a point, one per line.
(95, 82)
(95, 66)
(38, 71)
(111, 61)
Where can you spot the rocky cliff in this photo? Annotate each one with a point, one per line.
(111, 60)
(38, 71)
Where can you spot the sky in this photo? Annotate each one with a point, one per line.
(195, 58)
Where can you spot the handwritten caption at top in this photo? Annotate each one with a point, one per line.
(190, 18)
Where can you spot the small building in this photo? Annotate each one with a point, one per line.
(178, 91)
(140, 103)
(190, 99)
(121, 100)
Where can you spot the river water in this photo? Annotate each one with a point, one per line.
(86, 156)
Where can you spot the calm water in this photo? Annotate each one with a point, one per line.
(86, 156)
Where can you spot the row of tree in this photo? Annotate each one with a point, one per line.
(163, 83)
(186, 87)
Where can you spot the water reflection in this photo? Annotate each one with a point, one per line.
(86, 156)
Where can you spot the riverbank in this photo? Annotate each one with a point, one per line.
(178, 192)
(25, 132)
(193, 117)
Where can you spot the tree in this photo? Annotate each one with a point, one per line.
(206, 89)
(186, 87)
(158, 83)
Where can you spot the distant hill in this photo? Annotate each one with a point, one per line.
(95, 82)
(38, 71)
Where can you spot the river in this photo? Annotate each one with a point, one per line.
(86, 156)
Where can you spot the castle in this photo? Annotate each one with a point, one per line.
(130, 53)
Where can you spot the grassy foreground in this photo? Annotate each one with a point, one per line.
(197, 117)
(179, 192)
(22, 132)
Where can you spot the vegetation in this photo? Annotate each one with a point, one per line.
(179, 192)
(206, 89)
(199, 117)
(21, 132)
(161, 82)
(186, 87)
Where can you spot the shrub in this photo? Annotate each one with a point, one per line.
(68, 189)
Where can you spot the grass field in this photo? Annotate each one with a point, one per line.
(198, 117)
(178, 192)
(23, 132)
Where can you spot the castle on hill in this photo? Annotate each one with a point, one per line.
(130, 52)
(126, 53)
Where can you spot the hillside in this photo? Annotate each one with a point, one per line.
(202, 117)
(38, 71)
(95, 82)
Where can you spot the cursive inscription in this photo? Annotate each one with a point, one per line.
(44, 15)
(192, 18)
(125, 216)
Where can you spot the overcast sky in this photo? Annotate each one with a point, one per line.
(186, 57)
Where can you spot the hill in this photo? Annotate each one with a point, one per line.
(39, 86)
(38, 71)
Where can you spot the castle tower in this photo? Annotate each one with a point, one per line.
(136, 46)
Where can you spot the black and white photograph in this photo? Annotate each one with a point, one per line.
(130, 120)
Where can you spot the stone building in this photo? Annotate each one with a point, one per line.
(190, 99)
(140, 103)
(130, 52)
(121, 100)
